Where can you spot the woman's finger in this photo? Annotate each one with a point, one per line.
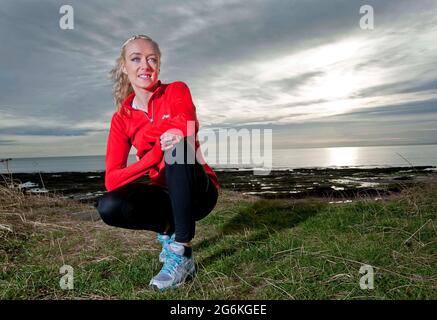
(168, 145)
(168, 140)
(170, 136)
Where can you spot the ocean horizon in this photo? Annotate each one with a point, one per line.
(368, 156)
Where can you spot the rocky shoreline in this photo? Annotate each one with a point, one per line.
(291, 183)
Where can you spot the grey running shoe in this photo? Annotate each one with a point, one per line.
(178, 266)
(164, 240)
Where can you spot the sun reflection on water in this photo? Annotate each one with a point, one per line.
(343, 156)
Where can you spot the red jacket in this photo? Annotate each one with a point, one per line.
(172, 108)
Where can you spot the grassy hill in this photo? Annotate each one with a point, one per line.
(247, 248)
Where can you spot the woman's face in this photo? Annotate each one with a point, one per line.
(141, 64)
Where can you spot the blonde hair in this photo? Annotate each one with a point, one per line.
(121, 86)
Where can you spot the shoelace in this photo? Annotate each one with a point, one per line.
(161, 238)
(164, 241)
(172, 262)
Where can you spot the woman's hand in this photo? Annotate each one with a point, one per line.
(168, 140)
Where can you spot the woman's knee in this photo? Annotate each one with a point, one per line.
(208, 203)
(109, 208)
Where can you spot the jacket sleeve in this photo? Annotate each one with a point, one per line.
(117, 172)
(184, 119)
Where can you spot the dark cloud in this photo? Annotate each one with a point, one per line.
(352, 133)
(59, 76)
(44, 131)
(289, 84)
(411, 110)
(398, 87)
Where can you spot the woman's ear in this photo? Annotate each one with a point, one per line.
(123, 69)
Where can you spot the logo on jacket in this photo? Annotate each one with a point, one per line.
(165, 116)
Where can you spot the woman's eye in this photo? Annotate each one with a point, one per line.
(149, 60)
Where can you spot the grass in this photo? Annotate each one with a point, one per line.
(247, 248)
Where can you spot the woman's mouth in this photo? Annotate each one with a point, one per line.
(145, 76)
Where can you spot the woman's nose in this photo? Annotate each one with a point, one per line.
(146, 65)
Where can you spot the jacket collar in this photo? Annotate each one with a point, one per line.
(127, 102)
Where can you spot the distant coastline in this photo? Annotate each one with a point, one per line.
(332, 183)
(296, 173)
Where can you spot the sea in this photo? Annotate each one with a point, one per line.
(365, 157)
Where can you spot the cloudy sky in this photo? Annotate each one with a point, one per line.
(303, 68)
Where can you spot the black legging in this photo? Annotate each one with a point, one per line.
(189, 196)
